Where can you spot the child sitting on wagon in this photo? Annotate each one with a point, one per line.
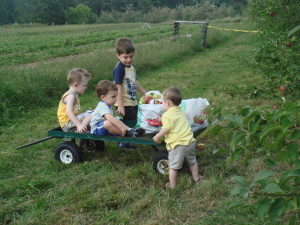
(103, 122)
(69, 106)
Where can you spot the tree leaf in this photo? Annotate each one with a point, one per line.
(280, 141)
(238, 137)
(276, 209)
(263, 175)
(234, 119)
(292, 150)
(235, 204)
(215, 130)
(270, 162)
(269, 129)
(295, 173)
(217, 110)
(235, 155)
(263, 207)
(295, 29)
(245, 110)
(295, 135)
(273, 188)
(219, 151)
(286, 123)
(240, 180)
(235, 191)
(251, 115)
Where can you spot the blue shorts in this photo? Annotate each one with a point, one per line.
(100, 129)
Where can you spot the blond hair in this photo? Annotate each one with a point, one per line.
(78, 75)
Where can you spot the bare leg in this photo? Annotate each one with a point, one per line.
(112, 128)
(86, 121)
(195, 173)
(172, 177)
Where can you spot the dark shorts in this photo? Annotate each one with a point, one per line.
(130, 112)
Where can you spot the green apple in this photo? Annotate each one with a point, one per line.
(149, 95)
(156, 96)
(143, 99)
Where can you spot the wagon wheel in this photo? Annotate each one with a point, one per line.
(160, 162)
(68, 152)
(88, 145)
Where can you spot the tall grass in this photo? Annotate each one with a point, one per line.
(114, 187)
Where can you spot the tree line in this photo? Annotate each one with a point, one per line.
(61, 11)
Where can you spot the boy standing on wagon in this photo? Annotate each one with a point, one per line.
(69, 106)
(125, 78)
(178, 136)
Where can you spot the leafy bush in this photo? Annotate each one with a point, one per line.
(274, 136)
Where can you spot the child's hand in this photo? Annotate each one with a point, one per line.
(157, 140)
(121, 110)
(81, 128)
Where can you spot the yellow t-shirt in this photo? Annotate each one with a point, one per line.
(175, 120)
(62, 112)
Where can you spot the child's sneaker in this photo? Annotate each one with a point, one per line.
(140, 131)
(125, 146)
(131, 133)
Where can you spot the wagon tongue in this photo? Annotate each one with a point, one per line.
(36, 142)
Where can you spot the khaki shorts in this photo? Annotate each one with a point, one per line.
(71, 126)
(181, 152)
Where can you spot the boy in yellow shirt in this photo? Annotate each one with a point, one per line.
(178, 136)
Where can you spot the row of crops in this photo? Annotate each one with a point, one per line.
(25, 47)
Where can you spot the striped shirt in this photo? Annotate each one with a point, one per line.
(98, 114)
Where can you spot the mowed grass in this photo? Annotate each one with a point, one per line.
(115, 187)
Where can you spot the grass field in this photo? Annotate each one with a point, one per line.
(115, 187)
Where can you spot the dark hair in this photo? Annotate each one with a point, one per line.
(124, 46)
(104, 86)
(173, 94)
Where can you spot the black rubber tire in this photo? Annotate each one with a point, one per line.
(160, 162)
(87, 145)
(68, 152)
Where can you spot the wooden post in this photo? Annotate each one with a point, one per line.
(204, 32)
(176, 30)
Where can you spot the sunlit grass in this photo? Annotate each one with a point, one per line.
(115, 187)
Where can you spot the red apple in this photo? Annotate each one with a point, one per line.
(288, 44)
(271, 13)
(282, 88)
(200, 146)
(148, 101)
(275, 107)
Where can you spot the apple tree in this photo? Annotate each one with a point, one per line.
(278, 57)
(273, 136)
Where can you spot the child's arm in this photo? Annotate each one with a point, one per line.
(139, 88)
(121, 109)
(69, 110)
(117, 123)
(158, 137)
